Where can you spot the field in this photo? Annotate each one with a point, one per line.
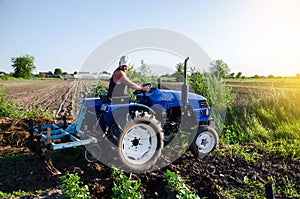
(240, 168)
(54, 96)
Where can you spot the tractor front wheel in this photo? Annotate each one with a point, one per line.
(204, 142)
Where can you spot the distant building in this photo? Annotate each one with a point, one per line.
(67, 76)
(87, 75)
(47, 74)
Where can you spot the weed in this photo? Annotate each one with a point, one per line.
(178, 185)
(72, 187)
(124, 187)
(289, 189)
(18, 193)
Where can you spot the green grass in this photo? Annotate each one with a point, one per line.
(20, 193)
(259, 80)
(177, 184)
(268, 118)
(256, 189)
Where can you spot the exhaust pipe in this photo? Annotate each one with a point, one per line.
(185, 86)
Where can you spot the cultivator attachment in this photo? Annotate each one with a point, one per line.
(64, 135)
(56, 136)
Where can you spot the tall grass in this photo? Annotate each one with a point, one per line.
(270, 119)
(218, 96)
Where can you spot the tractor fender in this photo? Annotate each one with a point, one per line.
(131, 106)
(111, 112)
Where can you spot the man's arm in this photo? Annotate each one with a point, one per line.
(124, 80)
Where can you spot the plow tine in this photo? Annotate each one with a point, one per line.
(48, 136)
(49, 165)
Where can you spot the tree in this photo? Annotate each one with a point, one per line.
(105, 73)
(58, 71)
(23, 66)
(239, 75)
(231, 75)
(179, 74)
(219, 68)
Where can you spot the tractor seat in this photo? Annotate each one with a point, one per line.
(120, 100)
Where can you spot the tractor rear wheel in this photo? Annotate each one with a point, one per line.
(140, 143)
(204, 142)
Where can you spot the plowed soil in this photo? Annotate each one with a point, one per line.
(22, 169)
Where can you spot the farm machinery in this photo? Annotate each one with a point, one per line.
(136, 135)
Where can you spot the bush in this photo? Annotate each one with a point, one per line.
(218, 97)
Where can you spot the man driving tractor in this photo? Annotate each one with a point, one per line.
(119, 81)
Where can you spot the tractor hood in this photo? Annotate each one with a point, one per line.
(165, 99)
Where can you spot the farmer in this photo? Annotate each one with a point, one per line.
(119, 81)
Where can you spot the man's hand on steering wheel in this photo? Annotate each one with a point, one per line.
(145, 88)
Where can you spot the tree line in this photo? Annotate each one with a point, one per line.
(23, 67)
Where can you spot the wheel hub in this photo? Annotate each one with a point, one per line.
(205, 142)
(135, 142)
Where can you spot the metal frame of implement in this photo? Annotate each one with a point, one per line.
(54, 132)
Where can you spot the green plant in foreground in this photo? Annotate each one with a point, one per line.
(251, 189)
(124, 187)
(289, 189)
(178, 185)
(18, 193)
(72, 188)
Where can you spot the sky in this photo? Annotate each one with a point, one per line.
(251, 36)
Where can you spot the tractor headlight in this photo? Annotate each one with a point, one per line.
(203, 103)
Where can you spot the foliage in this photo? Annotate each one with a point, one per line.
(99, 89)
(242, 151)
(180, 72)
(218, 96)
(58, 71)
(142, 75)
(256, 189)
(72, 188)
(3, 76)
(238, 75)
(178, 185)
(268, 118)
(15, 194)
(219, 68)
(289, 189)
(23, 66)
(124, 187)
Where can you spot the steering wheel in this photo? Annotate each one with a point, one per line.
(139, 91)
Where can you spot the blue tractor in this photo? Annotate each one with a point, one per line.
(136, 135)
